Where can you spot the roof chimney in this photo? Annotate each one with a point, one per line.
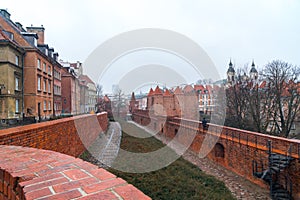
(55, 56)
(20, 26)
(50, 52)
(39, 31)
(5, 13)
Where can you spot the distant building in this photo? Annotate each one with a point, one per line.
(57, 86)
(233, 78)
(92, 93)
(104, 105)
(84, 96)
(70, 92)
(188, 102)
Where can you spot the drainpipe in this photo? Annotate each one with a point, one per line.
(53, 99)
(23, 103)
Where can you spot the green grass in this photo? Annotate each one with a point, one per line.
(180, 180)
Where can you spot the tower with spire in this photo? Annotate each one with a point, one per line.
(232, 78)
(253, 72)
(230, 74)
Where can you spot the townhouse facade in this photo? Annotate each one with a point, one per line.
(38, 66)
(11, 82)
(57, 86)
(91, 100)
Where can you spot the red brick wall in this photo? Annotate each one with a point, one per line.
(28, 173)
(241, 147)
(68, 136)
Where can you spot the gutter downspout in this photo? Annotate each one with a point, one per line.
(23, 103)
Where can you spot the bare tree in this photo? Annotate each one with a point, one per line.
(274, 103)
(283, 90)
(99, 90)
(237, 102)
(118, 99)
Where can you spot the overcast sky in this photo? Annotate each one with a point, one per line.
(243, 30)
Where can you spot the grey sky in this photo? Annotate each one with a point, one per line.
(243, 30)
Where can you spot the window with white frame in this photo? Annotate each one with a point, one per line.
(49, 70)
(39, 83)
(17, 60)
(45, 105)
(17, 105)
(17, 83)
(49, 86)
(38, 63)
(44, 86)
(44, 67)
(49, 105)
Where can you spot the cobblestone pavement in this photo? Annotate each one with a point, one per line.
(106, 147)
(240, 187)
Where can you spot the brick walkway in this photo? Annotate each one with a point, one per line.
(28, 173)
(239, 186)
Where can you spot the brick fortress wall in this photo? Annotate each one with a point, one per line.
(236, 149)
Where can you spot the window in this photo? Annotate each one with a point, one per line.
(49, 105)
(44, 86)
(35, 41)
(49, 86)
(44, 67)
(17, 81)
(38, 63)
(49, 70)
(17, 105)
(17, 60)
(39, 84)
(45, 105)
(56, 90)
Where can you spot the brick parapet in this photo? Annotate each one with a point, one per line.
(70, 136)
(29, 173)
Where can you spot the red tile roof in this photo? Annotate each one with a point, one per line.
(188, 88)
(150, 92)
(157, 91)
(199, 88)
(167, 93)
(86, 79)
(178, 90)
(3, 36)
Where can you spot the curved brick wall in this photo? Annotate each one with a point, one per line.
(58, 135)
(28, 173)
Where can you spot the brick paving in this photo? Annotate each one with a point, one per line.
(28, 173)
